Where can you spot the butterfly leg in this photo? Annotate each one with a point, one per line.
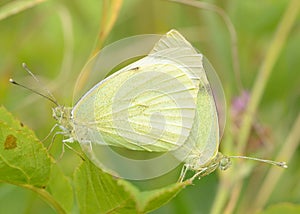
(48, 135)
(197, 174)
(89, 147)
(205, 171)
(53, 138)
(182, 173)
(69, 140)
(62, 152)
(72, 149)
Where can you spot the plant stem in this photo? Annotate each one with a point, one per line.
(47, 197)
(233, 35)
(264, 72)
(15, 7)
(221, 197)
(273, 176)
(108, 20)
(266, 69)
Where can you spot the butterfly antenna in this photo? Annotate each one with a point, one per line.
(50, 97)
(275, 163)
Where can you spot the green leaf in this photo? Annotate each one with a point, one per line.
(98, 192)
(147, 201)
(60, 188)
(15, 7)
(286, 208)
(23, 158)
(156, 198)
(25, 162)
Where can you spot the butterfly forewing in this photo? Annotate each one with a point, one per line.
(148, 108)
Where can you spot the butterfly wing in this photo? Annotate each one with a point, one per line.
(152, 123)
(151, 107)
(174, 48)
(202, 144)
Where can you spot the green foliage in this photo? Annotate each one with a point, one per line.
(287, 208)
(59, 186)
(16, 7)
(99, 192)
(55, 39)
(24, 160)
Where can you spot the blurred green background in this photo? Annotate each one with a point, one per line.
(56, 38)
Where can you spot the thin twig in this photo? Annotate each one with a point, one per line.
(231, 29)
(272, 55)
(273, 176)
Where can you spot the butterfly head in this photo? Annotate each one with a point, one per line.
(63, 116)
(219, 161)
(224, 162)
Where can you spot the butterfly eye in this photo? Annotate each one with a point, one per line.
(225, 163)
(57, 113)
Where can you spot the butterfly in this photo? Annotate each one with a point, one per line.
(162, 102)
